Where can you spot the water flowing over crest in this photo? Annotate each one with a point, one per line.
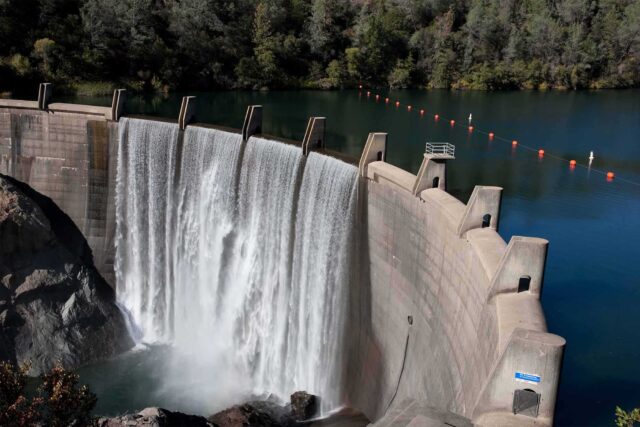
(236, 258)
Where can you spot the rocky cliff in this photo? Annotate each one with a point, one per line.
(54, 305)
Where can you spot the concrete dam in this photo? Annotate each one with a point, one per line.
(280, 267)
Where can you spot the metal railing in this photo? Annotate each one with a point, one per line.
(443, 148)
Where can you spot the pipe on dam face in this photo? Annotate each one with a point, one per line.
(479, 336)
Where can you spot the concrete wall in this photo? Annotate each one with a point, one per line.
(67, 156)
(436, 317)
(441, 320)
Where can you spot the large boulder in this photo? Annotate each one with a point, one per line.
(54, 305)
(303, 405)
(253, 414)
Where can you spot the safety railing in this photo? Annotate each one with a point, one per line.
(440, 148)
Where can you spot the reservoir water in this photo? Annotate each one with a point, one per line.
(591, 289)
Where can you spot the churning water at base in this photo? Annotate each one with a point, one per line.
(237, 260)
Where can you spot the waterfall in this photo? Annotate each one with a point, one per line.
(236, 260)
(144, 197)
(321, 258)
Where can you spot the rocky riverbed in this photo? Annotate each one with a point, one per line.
(54, 305)
(263, 413)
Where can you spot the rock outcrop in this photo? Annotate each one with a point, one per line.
(266, 413)
(155, 417)
(54, 305)
(303, 405)
(254, 414)
(258, 413)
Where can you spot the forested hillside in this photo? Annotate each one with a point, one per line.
(205, 44)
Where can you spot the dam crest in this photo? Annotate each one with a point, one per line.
(429, 311)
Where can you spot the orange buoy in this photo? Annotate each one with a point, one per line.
(514, 142)
(436, 117)
(611, 175)
(397, 103)
(572, 162)
(409, 107)
(453, 122)
(491, 135)
(422, 112)
(470, 128)
(386, 100)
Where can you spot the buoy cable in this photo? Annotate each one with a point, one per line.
(516, 143)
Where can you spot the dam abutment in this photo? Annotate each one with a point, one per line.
(443, 313)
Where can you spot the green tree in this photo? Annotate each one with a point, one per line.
(44, 51)
(328, 23)
(199, 49)
(265, 45)
(485, 33)
(381, 38)
(402, 74)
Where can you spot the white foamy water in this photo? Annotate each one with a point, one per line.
(237, 263)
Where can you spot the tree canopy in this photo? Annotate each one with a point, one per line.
(207, 44)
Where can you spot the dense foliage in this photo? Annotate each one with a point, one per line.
(627, 418)
(59, 401)
(204, 44)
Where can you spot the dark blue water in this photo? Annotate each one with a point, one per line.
(591, 293)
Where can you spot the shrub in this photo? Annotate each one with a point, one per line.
(402, 74)
(627, 419)
(20, 64)
(59, 400)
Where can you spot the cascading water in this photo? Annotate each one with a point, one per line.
(237, 261)
(321, 259)
(144, 197)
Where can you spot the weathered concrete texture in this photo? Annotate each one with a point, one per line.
(411, 413)
(443, 321)
(66, 157)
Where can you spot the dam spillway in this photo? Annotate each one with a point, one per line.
(233, 262)
(442, 317)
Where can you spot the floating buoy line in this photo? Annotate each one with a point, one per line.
(609, 175)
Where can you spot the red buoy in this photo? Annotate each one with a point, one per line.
(514, 142)
(572, 162)
(409, 107)
(436, 117)
(470, 128)
(359, 86)
(491, 135)
(397, 103)
(540, 152)
(453, 122)
(611, 175)
(386, 100)
(422, 112)
(377, 97)
(368, 93)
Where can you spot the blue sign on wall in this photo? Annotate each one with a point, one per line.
(527, 378)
